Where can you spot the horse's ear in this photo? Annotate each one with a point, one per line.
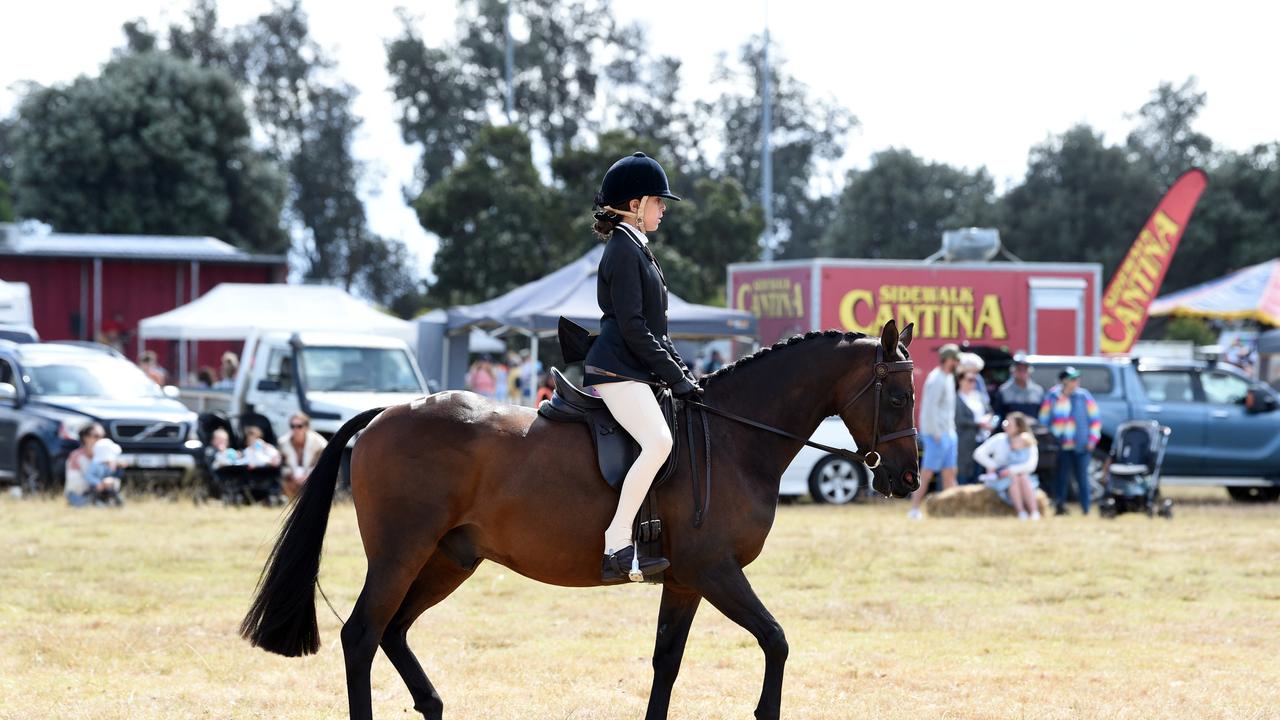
(889, 337)
(905, 338)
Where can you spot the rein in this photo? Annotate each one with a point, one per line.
(871, 458)
(880, 372)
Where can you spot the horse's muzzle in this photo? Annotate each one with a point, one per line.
(894, 483)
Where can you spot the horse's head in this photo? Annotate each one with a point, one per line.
(878, 408)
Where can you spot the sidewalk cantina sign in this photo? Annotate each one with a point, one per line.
(1048, 308)
(1137, 280)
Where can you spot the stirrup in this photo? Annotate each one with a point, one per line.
(634, 575)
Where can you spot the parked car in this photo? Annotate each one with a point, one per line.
(1226, 426)
(49, 391)
(19, 333)
(825, 477)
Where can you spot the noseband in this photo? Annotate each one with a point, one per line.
(879, 374)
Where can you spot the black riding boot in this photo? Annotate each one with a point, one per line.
(617, 568)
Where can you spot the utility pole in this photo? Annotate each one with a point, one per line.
(766, 152)
(510, 65)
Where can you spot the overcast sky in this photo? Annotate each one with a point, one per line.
(965, 83)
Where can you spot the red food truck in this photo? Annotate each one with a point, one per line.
(1044, 308)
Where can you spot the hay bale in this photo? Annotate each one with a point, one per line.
(975, 501)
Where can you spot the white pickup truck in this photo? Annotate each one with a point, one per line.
(329, 376)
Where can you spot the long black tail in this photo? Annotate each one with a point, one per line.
(282, 618)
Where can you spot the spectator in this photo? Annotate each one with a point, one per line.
(501, 381)
(974, 422)
(113, 332)
(230, 366)
(300, 453)
(480, 378)
(1071, 414)
(205, 378)
(105, 472)
(529, 371)
(223, 454)
(1010, 459)
(973, 363)
(546, 388)
(148, 363)
(1020, 393)
(258, 453)
(83, 485)
(938, 426)
(714, 363)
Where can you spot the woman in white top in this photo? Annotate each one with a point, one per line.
(1012, 456)
(300, 452)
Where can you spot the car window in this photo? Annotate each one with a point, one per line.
(1223, 388)
(6, 372)
(1167, 385)
(1098, 380)
(102, 377)
(280, 369)
(357, 369)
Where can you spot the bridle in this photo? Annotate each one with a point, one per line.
(879, 373)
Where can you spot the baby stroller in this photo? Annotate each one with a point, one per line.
(1132, 478)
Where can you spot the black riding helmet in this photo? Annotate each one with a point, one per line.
(633, 177)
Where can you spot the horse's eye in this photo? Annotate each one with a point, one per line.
(897, 401)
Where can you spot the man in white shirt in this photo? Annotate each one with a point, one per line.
(938, 426)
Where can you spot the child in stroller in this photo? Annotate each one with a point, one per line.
(1132, 474)
(248, 476)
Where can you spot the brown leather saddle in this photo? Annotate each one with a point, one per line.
(615, 449)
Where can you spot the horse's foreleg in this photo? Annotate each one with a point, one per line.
(675, 616)
(385, 586)
(441, 576)
(726, 588)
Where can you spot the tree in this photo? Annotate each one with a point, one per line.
(556, 64)
(6, 169)
(714, 225)
(306, 116)
(496, 228)
(1235, 222)
(440, 106)
(1081, 200)
(1189, 328)
(806, 132)
(1164, 136)
(445, 94)
(900, 206)
(152, 145)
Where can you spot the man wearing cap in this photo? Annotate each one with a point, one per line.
(938, 426)
(1020, 393)
(1072, 416)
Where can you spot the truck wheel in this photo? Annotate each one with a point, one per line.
(34, 472)
(1254, 494)
(836, 481)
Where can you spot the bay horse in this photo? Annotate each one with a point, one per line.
(450, 480)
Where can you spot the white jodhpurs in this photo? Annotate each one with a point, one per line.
(636, 410)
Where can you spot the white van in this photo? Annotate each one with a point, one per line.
(329, 376)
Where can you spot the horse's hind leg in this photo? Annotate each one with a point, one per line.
(385, 586)
(441, 576)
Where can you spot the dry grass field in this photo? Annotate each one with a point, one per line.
(132, 614)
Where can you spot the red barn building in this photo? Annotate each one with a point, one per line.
(96, 287)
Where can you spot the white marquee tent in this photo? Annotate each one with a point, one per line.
(233, 311)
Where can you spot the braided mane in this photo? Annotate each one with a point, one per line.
(793, 340)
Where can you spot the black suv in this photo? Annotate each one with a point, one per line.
(49, 391)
